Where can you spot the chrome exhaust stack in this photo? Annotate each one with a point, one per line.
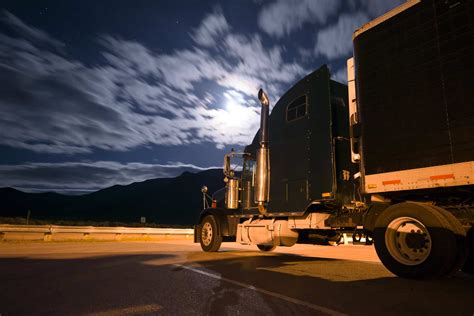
(262, 179)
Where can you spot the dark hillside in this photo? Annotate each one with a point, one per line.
(164, 201)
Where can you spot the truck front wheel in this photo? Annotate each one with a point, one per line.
(415, 241)
(208, 234)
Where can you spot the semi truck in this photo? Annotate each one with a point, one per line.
(389, 156)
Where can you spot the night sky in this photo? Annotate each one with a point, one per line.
(97, 93)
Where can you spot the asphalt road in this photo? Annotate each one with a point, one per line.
(176, 278)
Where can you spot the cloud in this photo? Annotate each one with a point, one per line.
(335, 41)
(53, 103)
(340, 75)
(28, 32)
(282, 17)
(179, 70)
(212, 27)
(86, 176)
(258, 66)
(376, 8)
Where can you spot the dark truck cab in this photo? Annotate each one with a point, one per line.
(310, 160)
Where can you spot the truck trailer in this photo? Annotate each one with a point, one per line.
(389, 156)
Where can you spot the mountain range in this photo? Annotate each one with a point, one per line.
(176, 201)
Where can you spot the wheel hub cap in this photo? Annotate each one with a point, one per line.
(206, 234)
(408, 241)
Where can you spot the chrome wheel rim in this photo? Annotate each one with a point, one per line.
(206, 233)
(408, 241)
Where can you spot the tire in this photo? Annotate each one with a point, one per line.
(368, 240)
(266, 248)
(208, 234)
(462, 249)
(469, 264)
(356, 236)
(415, 241)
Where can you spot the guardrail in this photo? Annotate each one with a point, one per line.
(54, 232)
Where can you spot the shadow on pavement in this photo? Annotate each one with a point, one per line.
(355, 288)
(150, 284)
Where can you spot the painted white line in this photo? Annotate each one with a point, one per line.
(318, 308)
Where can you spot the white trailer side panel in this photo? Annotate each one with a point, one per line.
(421, 178)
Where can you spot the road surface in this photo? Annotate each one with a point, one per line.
(176, 278)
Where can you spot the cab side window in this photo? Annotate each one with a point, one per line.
(296, 109)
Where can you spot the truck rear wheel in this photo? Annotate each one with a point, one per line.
(356, 236)
(208, 234)
(415, 241)
(368, 239)
(266, 248)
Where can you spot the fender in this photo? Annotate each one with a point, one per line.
(371, 215)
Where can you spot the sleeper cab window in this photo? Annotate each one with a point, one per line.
(296, 109)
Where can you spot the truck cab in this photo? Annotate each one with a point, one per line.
(306, 172)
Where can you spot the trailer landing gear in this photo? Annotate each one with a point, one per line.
(419, 241)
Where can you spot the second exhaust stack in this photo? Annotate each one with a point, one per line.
(262, 182)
